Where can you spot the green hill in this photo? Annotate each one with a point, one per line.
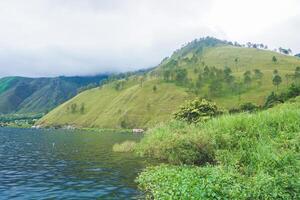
(37, 95)
(210, 68)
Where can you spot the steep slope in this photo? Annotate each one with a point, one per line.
(37, 95)
(201, 68)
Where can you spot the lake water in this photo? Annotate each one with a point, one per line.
(58, 164)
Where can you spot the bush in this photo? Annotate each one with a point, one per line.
(198, 110)
(127, 146)
(249, 107)
(172, 143)
(274, 99)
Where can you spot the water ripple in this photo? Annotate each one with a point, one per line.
(77, 166)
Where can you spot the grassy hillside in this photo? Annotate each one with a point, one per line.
(133, 106)
(38, 95)
(198, 69)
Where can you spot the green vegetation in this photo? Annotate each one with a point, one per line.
(39, 95)
(241, 156)
(198, 110)
(274, 99)
(127, 146)
(19, 120)
(207, 68)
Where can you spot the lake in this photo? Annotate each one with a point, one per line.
(60, 164)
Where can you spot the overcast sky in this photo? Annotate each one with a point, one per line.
(84, 37)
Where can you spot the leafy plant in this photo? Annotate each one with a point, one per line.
(197, 110)
(249, 107)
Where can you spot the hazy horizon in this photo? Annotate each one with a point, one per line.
(41, 38)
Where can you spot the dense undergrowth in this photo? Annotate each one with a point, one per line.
(242, 156)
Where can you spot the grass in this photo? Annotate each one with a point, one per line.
(242, 156)
(140, 107)
(136, 106)
(127, 146)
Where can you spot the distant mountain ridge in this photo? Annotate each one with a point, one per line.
(38, 95)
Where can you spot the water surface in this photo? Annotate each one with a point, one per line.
(57, 164)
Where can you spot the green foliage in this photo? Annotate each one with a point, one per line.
(247, 78)
(181, 76)
(127, 146)
(249, 107)
(258, 74)
(172, 144)
(274, 99)
(87, 87)
(119, 85)
(154, 88)
(206, 183)
(274, 59)
(82, 108)
(197, 110)
(256, 156)
(277, 80)
(73, 108)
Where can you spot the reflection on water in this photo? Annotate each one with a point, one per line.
(57, 164)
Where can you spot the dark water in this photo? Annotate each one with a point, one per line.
(57, 164)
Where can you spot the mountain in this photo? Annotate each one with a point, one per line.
(38, 95)
(298, 55)
(210, 68)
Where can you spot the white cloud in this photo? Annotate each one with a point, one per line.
(54, 37)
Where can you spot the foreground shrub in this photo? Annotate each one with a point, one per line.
(127, 146)
(185, 183)
(178, 143)
(198, 110)
(256, 156)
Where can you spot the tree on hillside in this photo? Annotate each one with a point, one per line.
(287, 78)
(181, 76)
(228, 77)
(73, 107)
(119, 85)
(154, 88)
(142, 80)
(258, 74)
(206, 73)
(82, 108)
(215, 88)
(199, 82)
(167, 75)
(247, 78)
(274, 59)
(277, 80)
(236, 60)
(275, 72)
(285, 51)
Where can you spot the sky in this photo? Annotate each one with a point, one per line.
(86, 37)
